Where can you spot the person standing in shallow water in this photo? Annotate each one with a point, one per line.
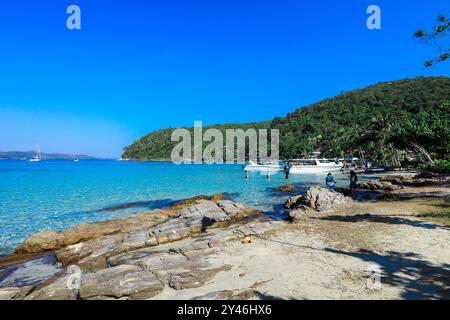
(353, 183)
(246, 175)
(330, 182)
(286, 172)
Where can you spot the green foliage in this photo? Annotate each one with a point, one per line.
(441, 166)
(157, 145)
(427, 130)
(366, 122)
(438, 33)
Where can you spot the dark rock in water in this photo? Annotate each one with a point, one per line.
(420, 180)
(397, 180)
(426, 175)
(125, 206)
(288, 188)
(223, 196)
(190, 201)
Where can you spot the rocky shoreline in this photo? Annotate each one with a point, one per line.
(181, 250)
(131, 257)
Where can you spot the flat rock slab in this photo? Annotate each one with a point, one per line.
(14, 293)
(190, 279)
(29, 273)
(123, 281)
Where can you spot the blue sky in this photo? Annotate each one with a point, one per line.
(140, 65)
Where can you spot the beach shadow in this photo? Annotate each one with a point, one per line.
(418, 278)
(381, 219)
(416, 195)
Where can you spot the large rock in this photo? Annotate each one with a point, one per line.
(316, 198)
(322, 199)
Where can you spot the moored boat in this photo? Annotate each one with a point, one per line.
(271, 167)
(311, 166)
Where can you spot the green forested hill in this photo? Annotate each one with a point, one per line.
(359, 122)
(157, 144)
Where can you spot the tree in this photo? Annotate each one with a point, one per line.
(438, 32)
(425, 132)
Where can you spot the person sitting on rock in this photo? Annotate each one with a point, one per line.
(330, 182)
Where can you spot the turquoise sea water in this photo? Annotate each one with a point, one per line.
(60, 194)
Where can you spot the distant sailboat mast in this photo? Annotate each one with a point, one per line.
(37, 156)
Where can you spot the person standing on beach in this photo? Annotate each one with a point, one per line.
(330, 182)
(353, 183)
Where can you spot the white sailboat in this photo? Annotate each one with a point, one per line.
(37, 156)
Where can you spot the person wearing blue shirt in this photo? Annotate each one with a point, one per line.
(330, 182)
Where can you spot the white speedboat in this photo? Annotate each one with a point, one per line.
(270, 167)
(311, 166)
(37, 156)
